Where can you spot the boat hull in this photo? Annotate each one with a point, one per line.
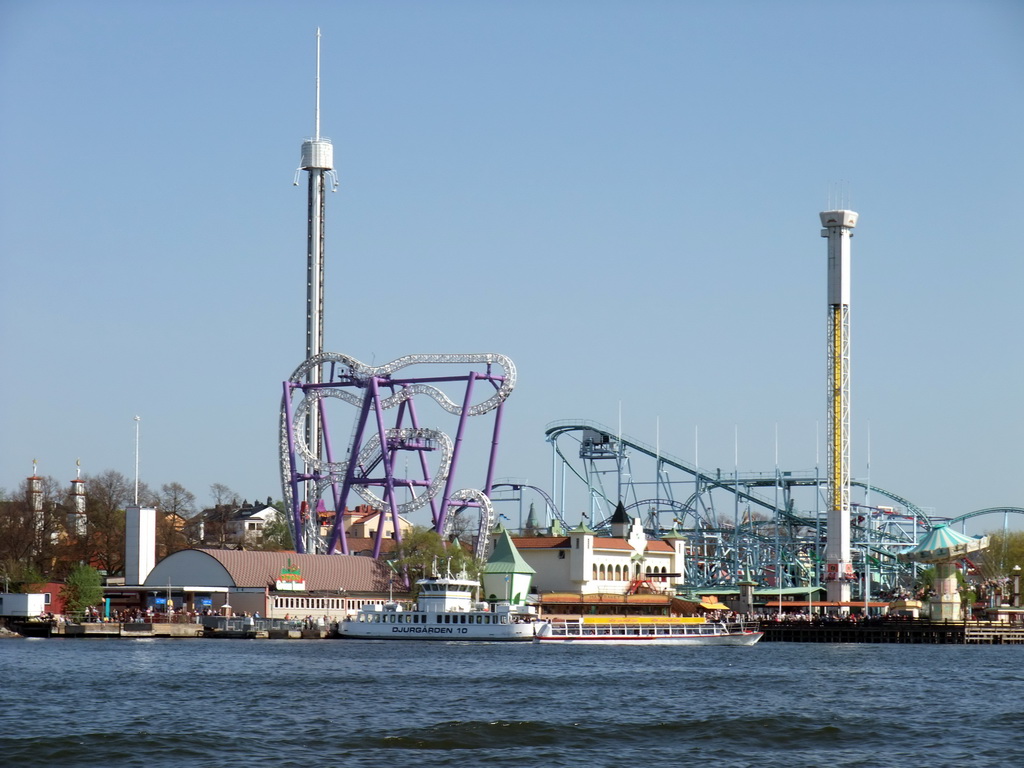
(499, 633)
(744, 639)
(655, 633)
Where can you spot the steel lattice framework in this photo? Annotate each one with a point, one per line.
(370, 464)
(766, 526)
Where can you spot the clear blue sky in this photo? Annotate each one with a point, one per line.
(621, 196)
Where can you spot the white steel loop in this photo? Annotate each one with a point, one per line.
(371, 452)
(361, 372)
(487, 519)
(308, 404)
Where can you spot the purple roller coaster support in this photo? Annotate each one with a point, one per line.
(457, 444)
(424, 467)
(378, 470)
(389, 475)
(338, 508)
(338, 532)
(296, 510)
(492, 461)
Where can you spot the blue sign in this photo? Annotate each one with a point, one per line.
(207, 601)
(161, 601)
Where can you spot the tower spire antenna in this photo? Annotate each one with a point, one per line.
(316, 134)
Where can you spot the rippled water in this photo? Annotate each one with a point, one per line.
(363, 703)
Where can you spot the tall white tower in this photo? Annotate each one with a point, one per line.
(838, 228)
(77, 521)
(318, 160)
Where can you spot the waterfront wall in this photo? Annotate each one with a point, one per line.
(907, 631)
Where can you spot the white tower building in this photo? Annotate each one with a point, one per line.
(838, 228)
(77, 521)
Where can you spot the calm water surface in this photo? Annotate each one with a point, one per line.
(364, 703)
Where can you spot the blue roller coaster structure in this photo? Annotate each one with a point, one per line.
(768, 527)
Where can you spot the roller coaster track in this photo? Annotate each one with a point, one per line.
(734, 485)
(555, 511)
(788, 540)
(988, 511)
(373, 446)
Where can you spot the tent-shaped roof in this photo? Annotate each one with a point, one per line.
(943, 545)
(506, 558)
(619, 515)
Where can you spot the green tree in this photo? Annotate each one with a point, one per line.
(84, 587)
(422, 552)
(1005, 550)
(277, 534)
(17, 575)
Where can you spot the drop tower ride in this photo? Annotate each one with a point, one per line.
(838, 228)
(317, 160)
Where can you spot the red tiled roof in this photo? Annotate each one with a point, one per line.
(658, 545)
(320, 572)
(562, 542)
(621, 544)
(541, 542)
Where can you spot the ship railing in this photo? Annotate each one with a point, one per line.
(578, 628)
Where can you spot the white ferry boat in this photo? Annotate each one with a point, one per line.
(643, 630)
(444, 611)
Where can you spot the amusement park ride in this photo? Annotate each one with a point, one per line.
(388, 429)
(796, 529)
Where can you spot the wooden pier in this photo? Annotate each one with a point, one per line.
(911, 631)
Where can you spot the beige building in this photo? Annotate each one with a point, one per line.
(363, 521)
(584, 563)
